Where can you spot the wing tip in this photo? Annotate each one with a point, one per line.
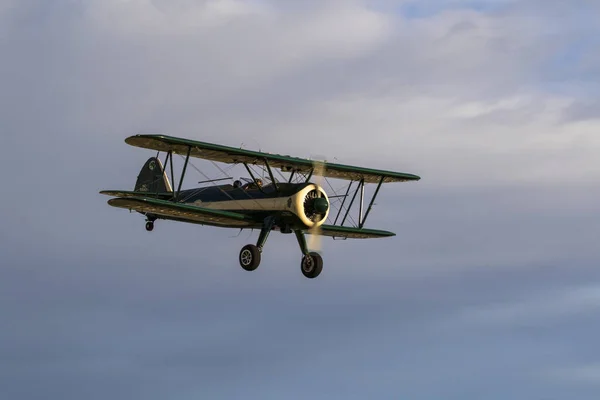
(108, 192)
(157, 135)
(114, 202)
(411, 177)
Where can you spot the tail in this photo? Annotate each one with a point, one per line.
(152, 178)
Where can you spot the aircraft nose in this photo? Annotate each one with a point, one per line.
(321, 205)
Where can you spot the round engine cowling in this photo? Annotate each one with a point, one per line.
(311, 205)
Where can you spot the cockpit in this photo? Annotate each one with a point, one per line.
(248, 185)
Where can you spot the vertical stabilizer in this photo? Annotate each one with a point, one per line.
(152, 178)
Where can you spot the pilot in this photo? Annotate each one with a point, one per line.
(259, 183)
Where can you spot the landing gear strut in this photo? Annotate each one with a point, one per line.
(249, 258)
(250, 254)
(312, 263)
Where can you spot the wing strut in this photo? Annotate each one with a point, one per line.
(169, 161)
(253, 178)
(273, 181)
(343, 201)
(362, 181)
(310, 175)
(187, 159)
(362, 222)
(172, 171)
(362, 201)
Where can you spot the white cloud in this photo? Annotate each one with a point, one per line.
(160, 17)
(345, 30)
(212, 54)
(511, 140)
(432, 96)
(449, 97)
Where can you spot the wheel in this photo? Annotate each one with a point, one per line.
(312, 265)
(249, 257)
(149, 226)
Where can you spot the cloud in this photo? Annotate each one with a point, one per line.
(157, 18)
(248, 40)
(583, 110)
(423, 87)
(458, 89)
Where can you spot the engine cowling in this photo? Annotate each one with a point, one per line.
(311, 205)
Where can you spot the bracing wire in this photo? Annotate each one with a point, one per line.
(198, 190)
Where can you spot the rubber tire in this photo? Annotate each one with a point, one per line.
(149, 226)
(255, 259)
(318, 265)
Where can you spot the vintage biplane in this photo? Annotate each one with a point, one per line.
(292, 204)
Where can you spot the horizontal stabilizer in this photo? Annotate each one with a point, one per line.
(353, 233)
(183, 212)
(127, 193)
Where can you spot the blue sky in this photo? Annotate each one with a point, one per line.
(489, 290)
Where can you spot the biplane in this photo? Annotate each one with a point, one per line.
(291, 204)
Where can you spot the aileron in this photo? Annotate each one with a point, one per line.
(353, 233)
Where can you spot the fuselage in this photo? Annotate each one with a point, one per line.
(291, 204)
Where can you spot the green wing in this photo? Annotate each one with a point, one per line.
(183, 212)
(126, 193)
(353, 233)
(234, 155)
(200, 215)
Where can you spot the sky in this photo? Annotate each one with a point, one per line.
(490, 289)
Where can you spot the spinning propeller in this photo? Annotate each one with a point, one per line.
(319, 206)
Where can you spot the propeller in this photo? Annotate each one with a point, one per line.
(314, 242)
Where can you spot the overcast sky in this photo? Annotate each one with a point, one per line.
(490, 290)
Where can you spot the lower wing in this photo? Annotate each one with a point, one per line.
(184, 212)
(353, 233)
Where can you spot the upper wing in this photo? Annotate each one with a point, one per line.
(184, 212)
(228, 154)
(353, 233)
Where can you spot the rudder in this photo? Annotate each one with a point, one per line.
(152, 178)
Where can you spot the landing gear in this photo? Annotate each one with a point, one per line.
(312, 265)
(250, 254)
(250, 257)
(149, 226)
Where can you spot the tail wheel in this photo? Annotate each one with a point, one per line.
(312, 265)
(249, 257)
(149, 226)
